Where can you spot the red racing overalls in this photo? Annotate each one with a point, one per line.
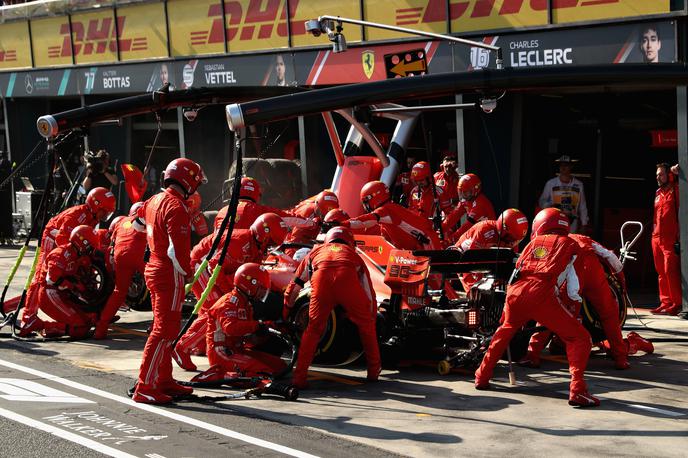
(128, 248)
(401, 227)
(338, 276)
(595, 288)
(59, 277)
(664, 235)
(168, 235)
(476, 210)
(56, 232)
(545, 264)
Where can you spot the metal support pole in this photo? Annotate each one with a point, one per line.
(302, 157)
(9, 149)
(460, 138)
(682, 127)
(86, 144)
(180, 124)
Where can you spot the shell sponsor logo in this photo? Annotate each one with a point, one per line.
(540, 252)
(403, 260)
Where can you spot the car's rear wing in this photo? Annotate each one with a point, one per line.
(498, 262)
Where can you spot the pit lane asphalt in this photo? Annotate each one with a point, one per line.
(411, 412)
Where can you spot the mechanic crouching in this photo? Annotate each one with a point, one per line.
(59, 281)
(230, 326)
(545, 264)
(338, 276)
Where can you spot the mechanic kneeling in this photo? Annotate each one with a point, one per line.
(546, 262)
(338, 276)
(60, 279)
(231, 325)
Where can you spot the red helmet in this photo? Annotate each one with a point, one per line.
(550, 221)
(269, 230)
(420, 172)
(326, 201)
(84, 238)
(513, 225)
(116, 220)
(253, 281)
(194, 202)
(134, 210)
(374, 194)
(336, 215)
(469, 186)
(250, 189)
(340, 233)
(186, 173)
(101, 202)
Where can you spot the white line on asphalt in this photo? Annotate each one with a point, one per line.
(668, 413)
(164, 413)
(89, 443)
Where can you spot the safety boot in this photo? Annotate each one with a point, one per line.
(183, 359)
(672, 311)
(29, 325)
(583, 399)
(174, 389)
(660, 310)
(149, 395)
(635, 343)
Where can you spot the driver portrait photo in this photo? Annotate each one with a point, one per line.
(650, 43)
(277, 73)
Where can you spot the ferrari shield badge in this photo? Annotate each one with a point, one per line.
(368, 61)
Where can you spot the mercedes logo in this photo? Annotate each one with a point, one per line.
(28, 84)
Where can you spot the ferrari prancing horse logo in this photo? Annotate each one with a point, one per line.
(368, 59)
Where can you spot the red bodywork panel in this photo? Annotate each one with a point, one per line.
(408, 275)
(356, 172)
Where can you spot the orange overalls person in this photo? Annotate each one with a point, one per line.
(401, 227)
(338, 276)
(665, 236)
(422, 198)
(595, 288)
(128, 246)
(507, 232)
(447, 179)
(245, 246)
(100, 204)
(60, 275)
(169, 238)
(473, 203)
(230, 320)
(533, 294)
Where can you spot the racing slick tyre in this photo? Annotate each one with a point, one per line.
(99, 284)
(339, 345)
(591, 319)
(138, 297)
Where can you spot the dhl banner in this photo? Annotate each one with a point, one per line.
(94, 37)
(195, 27)
(142, 32)
(50, 42)
(15, 51)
